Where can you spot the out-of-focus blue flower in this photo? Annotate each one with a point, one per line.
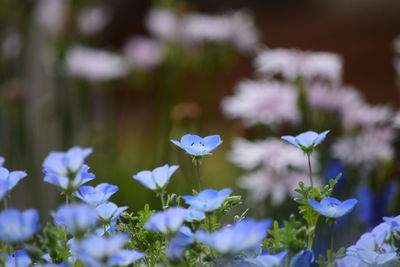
(109, 212)
(18, 258)
(101, 251)
(156, 179)
(96, 195)
(76, 218)
(198, 146)
(183, 239)
(16, 226)
(333, 208)
(393, 222)
(166, 221)
(268, 260)
(350, 261)
(244, 236)
(9, 179)
(208, 200)
(303, 259)
(67, 169)
(306, 141)
(371, 247)
(194, 215)
(64, 264)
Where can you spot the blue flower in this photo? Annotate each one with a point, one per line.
(96, 195)
(109, 212)
(268, 260)
(333, 208)
(183, 239)
(18, 259)
(156, 179)
(166, 221)
(67, 169)
(208, 200)
(9, 179)
(194, 215)
(244, 236)
(350, 261)
(197, 146)
(76, 218)
(303, 259)
(102, 251)
(306, 141)
(16, 226)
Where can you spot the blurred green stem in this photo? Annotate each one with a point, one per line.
(310, 170)
(197, 163)
(162, 199)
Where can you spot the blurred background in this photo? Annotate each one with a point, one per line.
(124, 77)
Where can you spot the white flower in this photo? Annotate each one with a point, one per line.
(369, 148)
(270, 103)
(144, 53)
(362, 114)
(327, 66)
(95, 65)
(246, 36)
(163, 24)
(93, 20)
(50, 14)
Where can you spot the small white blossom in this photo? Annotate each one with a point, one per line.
(144, 53)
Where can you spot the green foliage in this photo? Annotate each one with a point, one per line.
(292, 236)
(331, 257)
(53, 239)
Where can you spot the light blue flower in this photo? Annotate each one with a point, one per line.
(193, 214)
(18, 259)
(244, 236)
(208, 200)
(303, 258)
(16, 226)
(76, 218)
(109, 212)
(306, 141)
(197, 146)
(67, 169)
(268, 260)
(166, 221)
(350, 261)
(156, 179)
(9, 179)
(97, 251)
(183, 239)
(393, 222)
(333, 208)
(96, 195)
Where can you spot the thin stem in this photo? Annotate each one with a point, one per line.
(310, 170)
(209, 223)
(332, 235)
(197, 163)
(5, 202)
(162, 199)
(66, 199)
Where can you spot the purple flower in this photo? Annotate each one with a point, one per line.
(156, 179)
(333, 208)
(96, 195)
(208, 200)
(16, 226)
(197, 146)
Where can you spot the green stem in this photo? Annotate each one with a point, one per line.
(66, 199)
(197, 163)
(332, 235)
(162, 199)
(5, 202)
(209, 223)
(310, 170)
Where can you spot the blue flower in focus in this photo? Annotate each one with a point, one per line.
(244, 236)
(197, 146)
(96, 195)
(303, 259)
(193, 214)
(183, 239)
(18, 259)
(268, 260)
(306, 141)
(16, 226)
(76, 218)
(67, 169)
(166, 221)
(102, 251)
(156, 179)
(109, 212)
(333, 208)
(9, 179)
(208, 200)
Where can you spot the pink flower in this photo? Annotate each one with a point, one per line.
(269, 102)
(163, 24)
(50, 14)
(362, 114)
(144, 53)
(93, 20)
